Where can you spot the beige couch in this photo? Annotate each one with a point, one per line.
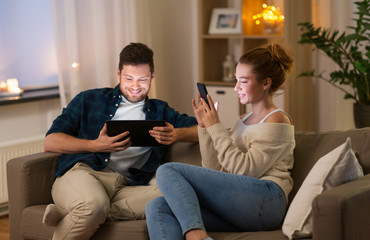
(340, 213)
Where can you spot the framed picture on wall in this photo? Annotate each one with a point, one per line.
(225, 21)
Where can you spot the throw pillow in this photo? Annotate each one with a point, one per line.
(337, 167)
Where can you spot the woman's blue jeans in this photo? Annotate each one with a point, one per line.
(201, 198)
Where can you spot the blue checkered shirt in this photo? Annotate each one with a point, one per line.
(85, 116)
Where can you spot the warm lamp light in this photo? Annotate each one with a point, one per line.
(75, 65)
(271, 17)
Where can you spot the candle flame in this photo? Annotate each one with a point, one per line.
(10, 86)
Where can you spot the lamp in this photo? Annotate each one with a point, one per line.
(271, 18)
(75, 65)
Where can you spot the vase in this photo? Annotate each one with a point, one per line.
(361, 115)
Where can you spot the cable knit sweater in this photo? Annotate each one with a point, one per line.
(264, 151)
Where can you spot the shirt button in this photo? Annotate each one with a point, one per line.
(110, 115)
(116, 104)
(106, 160)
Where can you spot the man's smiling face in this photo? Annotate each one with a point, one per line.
(135, 81)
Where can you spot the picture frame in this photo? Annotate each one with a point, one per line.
(225, 21)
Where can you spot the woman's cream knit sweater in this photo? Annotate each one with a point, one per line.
(264, 151)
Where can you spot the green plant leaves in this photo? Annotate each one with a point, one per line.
(351, 52)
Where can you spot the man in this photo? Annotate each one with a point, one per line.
(101, 177)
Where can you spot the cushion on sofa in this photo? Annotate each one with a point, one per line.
(311, 146)
(335, 168)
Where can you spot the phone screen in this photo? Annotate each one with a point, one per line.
(203, 91)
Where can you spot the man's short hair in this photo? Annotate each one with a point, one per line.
(136, 54)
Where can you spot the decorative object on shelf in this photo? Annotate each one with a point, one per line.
(271, 18)
(351, 52)
(10, 88)
(225, 21)
(228, 67)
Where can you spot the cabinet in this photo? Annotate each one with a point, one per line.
(228, 104)
(213, 48)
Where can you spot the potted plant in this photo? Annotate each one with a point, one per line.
(351, 52)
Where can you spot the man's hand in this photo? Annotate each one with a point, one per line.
(164, 135)
(105, 143)
(64, 143)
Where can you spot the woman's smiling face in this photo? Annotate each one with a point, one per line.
(248, 88)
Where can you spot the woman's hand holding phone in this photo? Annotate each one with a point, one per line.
(198, 111)
(206, 111)
(210, 114)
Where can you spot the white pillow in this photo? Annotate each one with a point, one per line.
(337, 167)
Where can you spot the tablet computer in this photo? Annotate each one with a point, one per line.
(139, 130)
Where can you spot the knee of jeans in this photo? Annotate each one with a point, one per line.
(156, 205)
(94, 212)
(163, 171)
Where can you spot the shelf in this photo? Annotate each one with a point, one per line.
(213, 48)
(223, 36)
(30, 95)
(219, 83)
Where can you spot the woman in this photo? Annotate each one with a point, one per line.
(245, 179)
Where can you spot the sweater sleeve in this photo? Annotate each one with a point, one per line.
(208, 153)
(265, 146)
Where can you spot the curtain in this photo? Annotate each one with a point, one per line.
(91, 34)
(332, 111)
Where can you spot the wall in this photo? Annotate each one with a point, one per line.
(298, 91)
(173, 32)
(332, 111)
(27, 121)
(173, 38)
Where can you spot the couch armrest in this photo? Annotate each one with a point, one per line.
(30, 179)
(343, 212)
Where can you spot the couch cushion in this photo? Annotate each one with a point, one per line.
(310, 146)
(128, 230)
(335, 168)
(123, 230)
(183, 152)
(266, 235)
(33, 227)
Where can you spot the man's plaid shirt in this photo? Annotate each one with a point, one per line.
(85, 116)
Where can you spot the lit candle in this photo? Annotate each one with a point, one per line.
(13, 85)
(3, 86)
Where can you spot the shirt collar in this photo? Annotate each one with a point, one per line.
(117, 93)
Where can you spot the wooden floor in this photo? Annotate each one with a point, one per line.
(4, 228)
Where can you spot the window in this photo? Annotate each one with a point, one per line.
(27, 50)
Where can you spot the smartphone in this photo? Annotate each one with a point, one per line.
(203, 91)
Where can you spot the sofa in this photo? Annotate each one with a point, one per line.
(342, 212)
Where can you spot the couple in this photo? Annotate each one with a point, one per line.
(100, 178)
